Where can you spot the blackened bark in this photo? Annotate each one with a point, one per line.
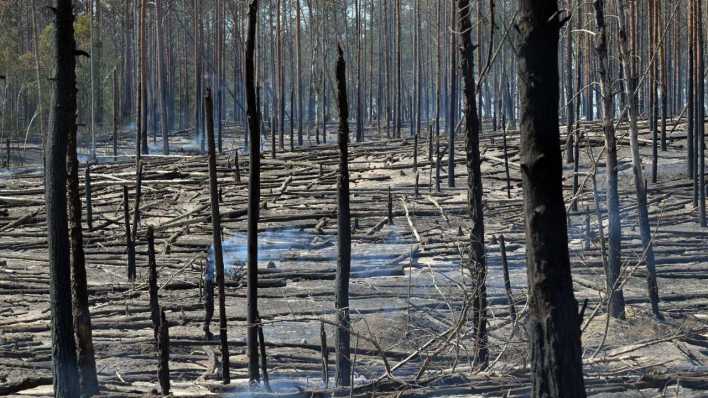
(478, 266)
(616, 299)
(216, 235)
(452, 106)
(700, 119)
(161, 78)
(264, 357)
(507, 282)
(129, 244)
(324, 353)
(65, 372)
(197, 22)
(570, 95)
(152, 285)
(82, 316)
(163, 346)
(142, 144)
(554, 330)
(342, 338)
(254, 194)
(138, 195)
(639, 181)
(116, 97)
(87, 191)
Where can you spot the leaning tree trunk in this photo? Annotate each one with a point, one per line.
(344, 241)
(66, 376)
(554, 325)
(254, 194)
(639, 182)
(616, 298)
(478, 266)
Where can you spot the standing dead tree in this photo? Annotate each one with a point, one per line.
(630, 84)
(477, 264)
(81, 313)
(254, 194)
(216, 235)
(554, 325)
(344, 243)
(161, 78)
(615, 295)
(66, 375)
(452, 104)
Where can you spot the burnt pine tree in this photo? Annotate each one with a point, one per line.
(66, 375)
(616, 298)
(216, 235)
(344, 240)
(254, 193)
(554, 324)
(630, 84)
(477, 265)
(80, 306)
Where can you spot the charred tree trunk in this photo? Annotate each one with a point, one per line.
(130, 246)
(478, 266)
(216, 234)
(639, 182)
(700, 118)
(197, 37)
(342, 338)
(452, 105)
(161, 79)
(298, 71)
(79, 300)
(152, 284)
(65, 372)
(142, 138)
(554, 330)
(163, 348)
(615, 294)
(254, 194)
(570, 95)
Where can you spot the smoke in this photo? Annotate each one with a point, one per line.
(276, 246)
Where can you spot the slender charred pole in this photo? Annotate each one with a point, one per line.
(163, 346)
(507, 282)
(700, 118)
(342, 342)
(554, 330)
(324, 353)
(264, 357)
(478, 266)
(161, 78)
(506, 158)
(452, 104)
(152, 284)
(216, 234)
(116, 100)
(89, 202)
(142, 145)
(630, 85)
(254, 194)
(130, 246)
(65, 372)
(138, 194)
(616, 299)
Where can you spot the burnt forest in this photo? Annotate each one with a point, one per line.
(353, 198)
